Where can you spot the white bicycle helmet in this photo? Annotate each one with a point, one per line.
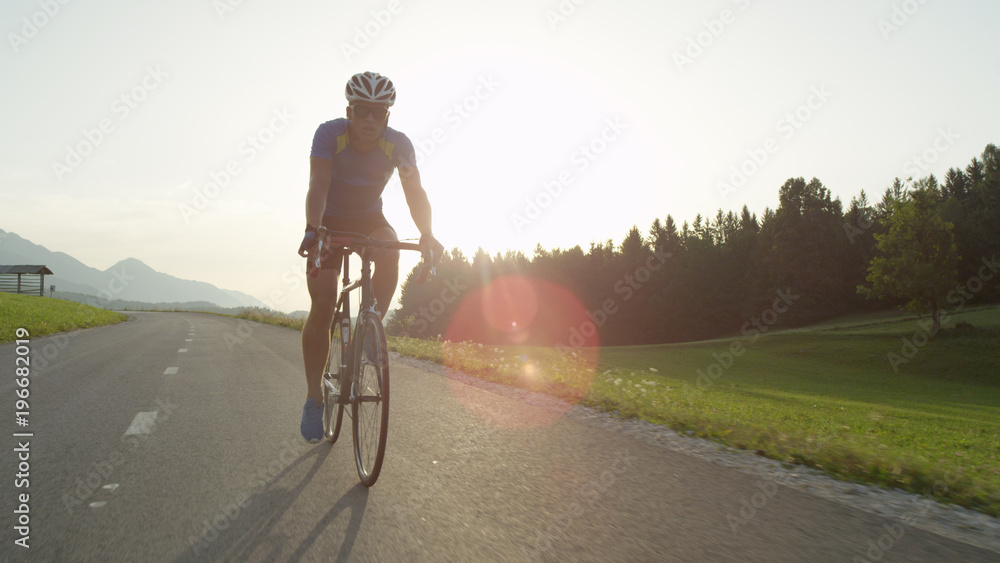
(370, 87)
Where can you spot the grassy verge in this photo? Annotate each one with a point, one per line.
(269, 317)
(45, 315)
(828, 397)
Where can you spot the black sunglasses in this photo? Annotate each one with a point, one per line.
(362, 112)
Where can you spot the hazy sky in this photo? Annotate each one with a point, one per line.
(179, 133)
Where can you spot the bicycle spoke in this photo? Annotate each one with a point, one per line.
(370, 406)
(333, 411)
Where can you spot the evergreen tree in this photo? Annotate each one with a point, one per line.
(808, 252)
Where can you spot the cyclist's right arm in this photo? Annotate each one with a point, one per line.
(320, 175)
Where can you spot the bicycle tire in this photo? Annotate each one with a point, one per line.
(370, 407)
(333, 409)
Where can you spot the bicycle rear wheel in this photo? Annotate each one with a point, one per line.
(370, 408)
(333, 408)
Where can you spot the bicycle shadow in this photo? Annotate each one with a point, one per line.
(254, 535)
(357, 500)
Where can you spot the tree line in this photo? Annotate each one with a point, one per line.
(925, 244)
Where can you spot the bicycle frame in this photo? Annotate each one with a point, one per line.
(362, 371)
(342, 313)
(353, 242)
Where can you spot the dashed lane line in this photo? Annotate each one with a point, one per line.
(142, 423)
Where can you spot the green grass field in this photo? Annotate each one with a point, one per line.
(45, 315)
(827, 397)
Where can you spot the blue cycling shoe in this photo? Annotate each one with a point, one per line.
(312, 421)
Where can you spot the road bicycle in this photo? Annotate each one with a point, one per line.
(356, 378)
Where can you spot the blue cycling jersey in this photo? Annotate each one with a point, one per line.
(359, 179)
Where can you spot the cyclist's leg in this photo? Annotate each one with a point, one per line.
(316, 331)
(385, 275)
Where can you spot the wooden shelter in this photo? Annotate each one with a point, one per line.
(23, 279)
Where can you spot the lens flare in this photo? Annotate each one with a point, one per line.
(509, 305)
(524, 332)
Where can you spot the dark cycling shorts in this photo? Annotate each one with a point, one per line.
(332, 259)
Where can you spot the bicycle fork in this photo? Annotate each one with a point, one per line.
(342, 375)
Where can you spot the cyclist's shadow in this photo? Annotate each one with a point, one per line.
(249, 535)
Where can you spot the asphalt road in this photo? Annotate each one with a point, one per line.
(174, 437)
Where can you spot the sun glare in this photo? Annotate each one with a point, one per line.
(488, 335)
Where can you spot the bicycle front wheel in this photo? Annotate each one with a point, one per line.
(370, 408)
(333, 408)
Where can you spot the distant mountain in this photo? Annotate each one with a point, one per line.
(128, 280)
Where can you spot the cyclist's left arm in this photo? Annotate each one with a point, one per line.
(416, 198)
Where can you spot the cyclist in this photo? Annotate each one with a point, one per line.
(350, 164)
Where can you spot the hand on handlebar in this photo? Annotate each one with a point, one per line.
(312, 246)
(431, 251)
(308, 244)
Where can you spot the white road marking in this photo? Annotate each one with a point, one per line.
(98, 504)
(189, 340)
(142, 423)
(110, 486)
(182, 350)
(170, 371)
